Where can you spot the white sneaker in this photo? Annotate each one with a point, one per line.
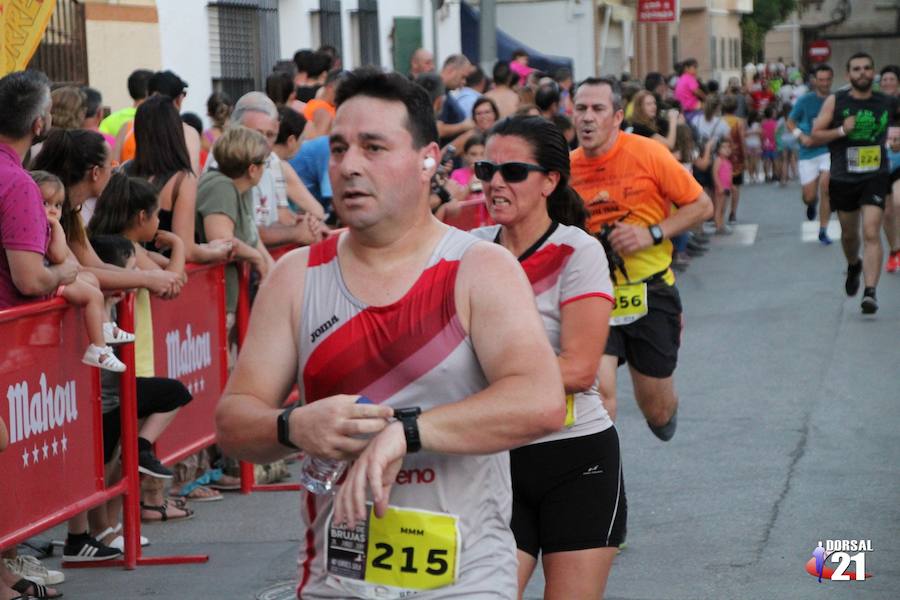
(103, 357)
(33, 570)
(119, 543)
(113, 334)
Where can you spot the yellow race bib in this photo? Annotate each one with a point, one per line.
(630, 303)
(407, 549)
(863, 159)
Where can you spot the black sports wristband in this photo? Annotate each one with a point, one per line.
(284, 427)
(408, 417)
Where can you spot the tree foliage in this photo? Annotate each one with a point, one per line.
(754, 26)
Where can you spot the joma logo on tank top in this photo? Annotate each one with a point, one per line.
(323, 328)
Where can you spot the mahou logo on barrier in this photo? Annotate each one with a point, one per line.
(44, 411)
(188, 354)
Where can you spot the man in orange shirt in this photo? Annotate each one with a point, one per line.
(629, 184)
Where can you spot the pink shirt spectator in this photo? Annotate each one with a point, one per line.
(523, 71)
(725, 174)
(768, 134)
(684, 92)
(462, 176)
(23, 222)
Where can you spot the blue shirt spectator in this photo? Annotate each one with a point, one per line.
(465, 99)
(311, 164)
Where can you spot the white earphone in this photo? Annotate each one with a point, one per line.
(428, 163)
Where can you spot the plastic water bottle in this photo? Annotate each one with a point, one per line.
(319, 475)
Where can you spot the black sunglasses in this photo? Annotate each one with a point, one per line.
(511, 172)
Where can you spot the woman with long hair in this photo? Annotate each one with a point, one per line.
(645, 120)
(576, 523)
(162, 159)
(218, 108)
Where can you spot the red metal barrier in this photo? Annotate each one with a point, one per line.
(53, 467)
(468, 214)
(190, 345)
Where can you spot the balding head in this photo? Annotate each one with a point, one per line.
(455, 70)
(421, 61)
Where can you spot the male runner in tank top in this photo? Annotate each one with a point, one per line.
(408, 313)
(854, 123)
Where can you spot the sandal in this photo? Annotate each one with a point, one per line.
(197, 491)
(164, 513)
(222, 482)
(30, 589)
(103, 357)
(112, 334)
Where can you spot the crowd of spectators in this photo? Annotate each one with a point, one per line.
(123, 202)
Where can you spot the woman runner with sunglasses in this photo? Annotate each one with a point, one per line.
(568, 490)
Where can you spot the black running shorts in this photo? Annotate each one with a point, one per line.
(849, 196)
(569, 494)
(154, 395)
(650, 344)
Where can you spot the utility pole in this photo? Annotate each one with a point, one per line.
(487, 35)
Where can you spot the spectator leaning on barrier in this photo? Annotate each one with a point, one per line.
(271, 210)
(225, 202)
(24, 233)
(68, 107)
(162, 159)
(290, 133)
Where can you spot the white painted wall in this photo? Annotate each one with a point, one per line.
(558, 27)
(294, 25)
(184, 47)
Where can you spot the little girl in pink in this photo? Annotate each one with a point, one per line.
(722, 174)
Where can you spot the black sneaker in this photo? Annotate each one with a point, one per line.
(811, 210)
(869, 305)
(84, 548)
(665, 432)
(148, 464)
(851, 286)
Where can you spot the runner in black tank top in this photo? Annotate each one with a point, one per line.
(854, 124)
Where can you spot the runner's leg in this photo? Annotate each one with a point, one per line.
(526, 567)
(872, 217)
(577, 574)
(655, 397)
(850, 234)
(607, 386)
(824, 200)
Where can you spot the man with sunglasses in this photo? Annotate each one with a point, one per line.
(438, 330)
(629, 184)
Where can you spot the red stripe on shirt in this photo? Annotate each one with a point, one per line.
(379, 338)
(306, 569)
(588, 295)
(323, 252)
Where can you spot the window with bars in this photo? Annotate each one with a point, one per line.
(364, 23)
(62, 53)
(326, 25)
(244, 44)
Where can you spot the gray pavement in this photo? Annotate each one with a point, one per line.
(787, 435)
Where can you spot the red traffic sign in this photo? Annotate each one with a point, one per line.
(657, 11)
(819, 51)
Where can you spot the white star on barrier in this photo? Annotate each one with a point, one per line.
(65, 442)
(25, 458)
(190, 388)
(55, 445)
(46, 449)
(202, 384)
(34, 454)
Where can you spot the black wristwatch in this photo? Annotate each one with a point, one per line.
(284, 427)
(656, 233)
(408, 417)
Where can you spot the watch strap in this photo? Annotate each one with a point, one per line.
(409, 418)
(284, 427)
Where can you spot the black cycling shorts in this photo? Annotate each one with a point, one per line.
(650, 344)
(848, 196)
(154, 395)
(569, 494)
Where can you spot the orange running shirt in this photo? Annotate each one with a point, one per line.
(638, 179)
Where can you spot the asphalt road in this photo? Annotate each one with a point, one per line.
(788, 434)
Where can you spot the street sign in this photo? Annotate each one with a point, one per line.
(819, 51)
(657, 11)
